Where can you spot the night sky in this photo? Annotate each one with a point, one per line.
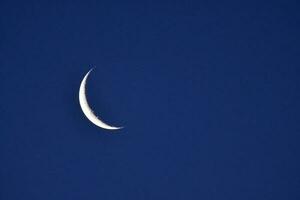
(208, 94)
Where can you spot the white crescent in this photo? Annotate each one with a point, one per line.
(88, 112)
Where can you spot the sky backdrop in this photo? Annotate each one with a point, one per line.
(208, 93)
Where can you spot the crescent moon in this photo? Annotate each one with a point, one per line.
(88, 112)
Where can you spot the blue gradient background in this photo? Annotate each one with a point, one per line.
(208, 94)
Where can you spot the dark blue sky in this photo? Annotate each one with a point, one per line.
(208, 94)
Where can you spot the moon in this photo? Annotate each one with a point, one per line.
(88, 112)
